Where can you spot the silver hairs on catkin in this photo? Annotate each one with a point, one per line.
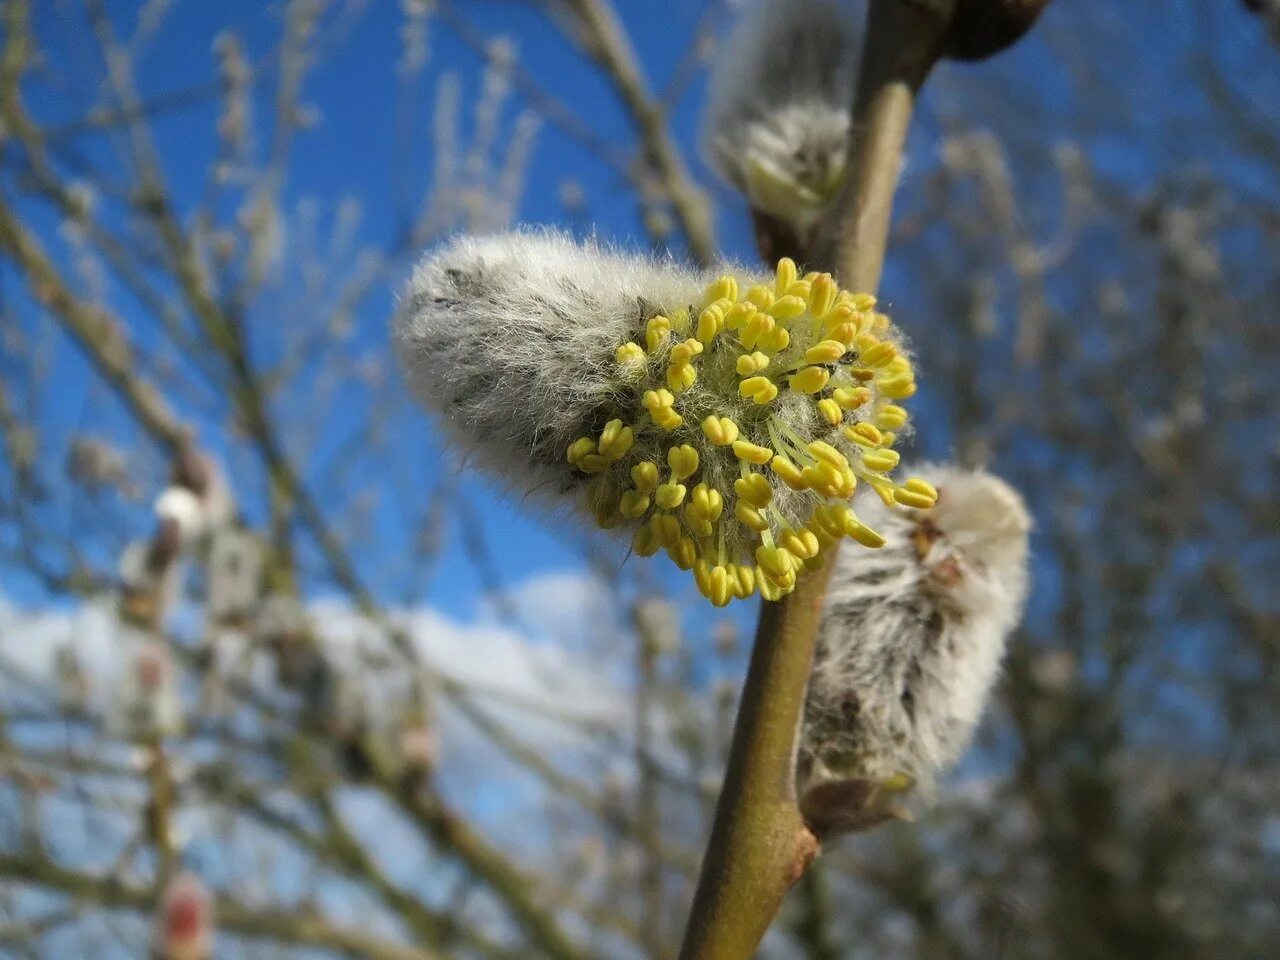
(511, 337)
(909, 647)
(778, 106)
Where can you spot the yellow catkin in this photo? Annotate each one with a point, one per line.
(792, 475)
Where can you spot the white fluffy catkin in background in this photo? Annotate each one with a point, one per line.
(778, 104)
(909, 647)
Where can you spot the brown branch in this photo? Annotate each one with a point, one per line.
(605, 40)
(276, 924)
(759, 843)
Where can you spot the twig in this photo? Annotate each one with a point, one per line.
(759, 843)
(605, 40)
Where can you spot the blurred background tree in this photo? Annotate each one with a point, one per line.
(256, 628)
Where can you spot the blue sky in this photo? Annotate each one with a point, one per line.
(354, 151)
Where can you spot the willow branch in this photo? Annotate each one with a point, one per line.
(274, 924)
(759, 843)
(605, 41)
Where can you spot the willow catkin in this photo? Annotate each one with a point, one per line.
(909, 647)
(726, 418)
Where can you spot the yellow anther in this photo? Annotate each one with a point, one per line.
(828, 454)
(669, 496)
(683, 461)
(750, 363)
(777, 339)
(791, 475)
(666, 418)
(702, 575)
(845, 333)
(653, 399)
(830, 411)
(580, 448)
(760, 296)
(711, 321)
(615, 440)
(884, 490)
(684, 553)
(828, 351)
(754, 489)
(824, 478)
(681, 376)
(633, 504)
(726, 288)
(758, 326)
(645, 542)
(770, 590)
(858, 531)
(739, 314)
(826, 522)
(761, 390)
(706, 502)
(880, 461)
(879, 323)
(916, 493)
(877, 354)
(666, 530)
(850, 398)
(721, 431)
(863, 302)
(810, 380)
(684, 352)
(656, 332)
(775, 562)
(787, 274)
(800, 543)
(786, 309)
(750, 452)
(645, 476)
(822, 294)
(721, 591)
(630, 355)
(888, 438)
(750, 517)
(593, 463)
(891, 417)
(742, 580)
(864, 434)
(801, 288)
(841, 312)
(920, 485)
(898, 388)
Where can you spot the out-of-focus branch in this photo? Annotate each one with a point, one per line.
(760, 844)
(605, 40)
(280, 925)
(100, 333)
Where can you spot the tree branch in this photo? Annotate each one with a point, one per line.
(759, 843)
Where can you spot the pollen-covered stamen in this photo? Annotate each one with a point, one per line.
(757, 484)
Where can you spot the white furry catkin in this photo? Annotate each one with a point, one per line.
(234, 574)
(778, 105)
(910, 644)
(147, 704)
(726, 419)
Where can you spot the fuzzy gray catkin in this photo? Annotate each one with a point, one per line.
(909, 647)
(726, 419)
(778, 105)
